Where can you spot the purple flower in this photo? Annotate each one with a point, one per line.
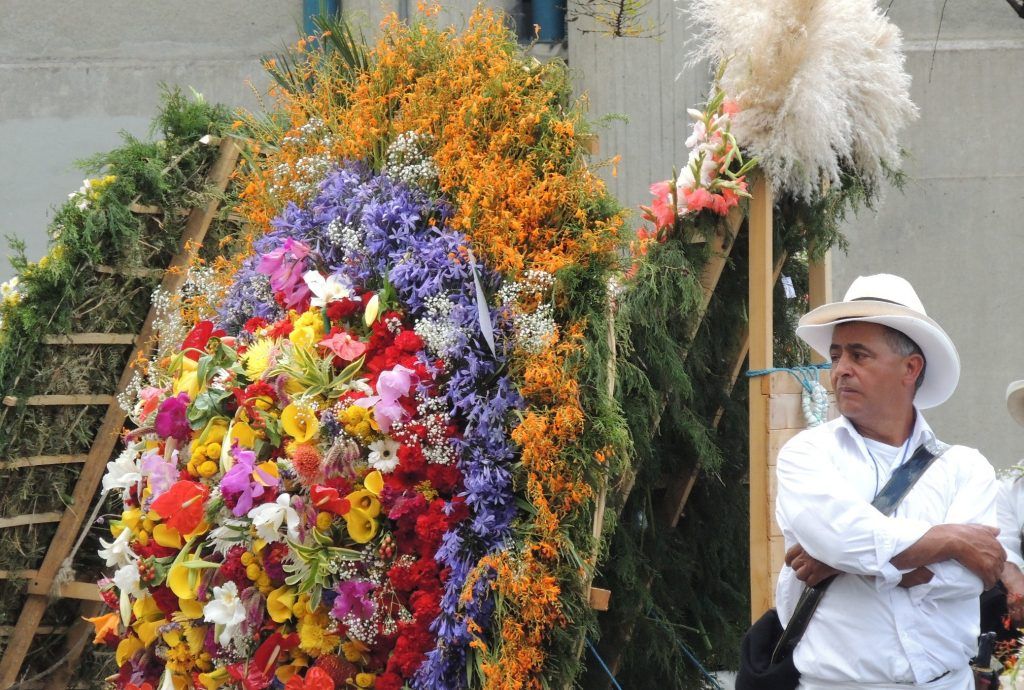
(171, 420)
(161, 474)
(353, 597)
(245, 480)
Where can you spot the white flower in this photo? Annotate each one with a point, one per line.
(269, 517)
(124, 473)
(9, 289)
(225, 609)
(326, 289)
(127, 580)
(118, 552)
(699, 135)
(384, 455)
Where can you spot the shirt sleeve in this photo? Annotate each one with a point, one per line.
(1011, 491)
(974, 503)
(831, 521)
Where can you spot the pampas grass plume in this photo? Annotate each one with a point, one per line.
(820, 83)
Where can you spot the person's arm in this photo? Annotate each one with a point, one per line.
(831, 522)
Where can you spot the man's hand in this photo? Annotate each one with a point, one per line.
(974, 546)
(808, 570)
(980, 552)
(919, 576)
(1013, 579)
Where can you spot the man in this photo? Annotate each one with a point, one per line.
(903, 611)
(1010, 515)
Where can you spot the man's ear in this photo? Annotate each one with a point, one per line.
(914, 364)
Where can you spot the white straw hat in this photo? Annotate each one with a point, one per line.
(891, 301)
(1015, 401)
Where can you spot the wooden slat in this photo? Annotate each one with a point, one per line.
(31, 519)
(42, 461)
(819, 275)
(130, 271)
(761, 357)
(8, 630)
(90, 339)
(143, 209)
(106, 439)
(599, 598)
(52, 400)
(85, 591)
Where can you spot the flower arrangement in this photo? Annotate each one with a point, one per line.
(365, 452)
(714, 177)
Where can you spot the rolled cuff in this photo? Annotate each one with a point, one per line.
(896, 537)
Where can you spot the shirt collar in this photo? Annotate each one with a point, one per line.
(921, 432)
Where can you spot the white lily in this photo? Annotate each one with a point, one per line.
(124, 472)
(227, 611)
(118, 552)
(270, 517)
(127, 580)
(326, 290)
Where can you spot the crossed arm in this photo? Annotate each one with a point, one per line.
(838, 531)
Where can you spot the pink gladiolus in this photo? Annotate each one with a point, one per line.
(286, 266)
(344, 345)
(698, 200)
(662, 208)
(150, 399)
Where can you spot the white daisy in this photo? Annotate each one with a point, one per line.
(384, 455)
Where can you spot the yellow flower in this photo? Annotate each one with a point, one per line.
(214, 679)
(257, 358)
(372, 309)
(365, 680)
(182, 580)
(299, 422)
(165, 535)
(361, 527)
(355, 652)
(358, 421)
(127, 648)
(280, 603)
(308, 329)
(313, 636)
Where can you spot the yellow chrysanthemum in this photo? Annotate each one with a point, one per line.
(257, 358)
(313, 636)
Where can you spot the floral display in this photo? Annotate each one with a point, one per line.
(714, 177)
(364, 454)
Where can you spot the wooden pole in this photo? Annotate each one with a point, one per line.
(759, 309)
(819, 278)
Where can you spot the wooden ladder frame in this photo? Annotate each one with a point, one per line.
(41, 581)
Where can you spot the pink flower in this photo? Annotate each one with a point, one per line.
(286, 266)
(698, 200)
(391, 386)
(171, 421)
(662, 208)
(160, 473)
(344, 345)
(730, 107)
(150, 399)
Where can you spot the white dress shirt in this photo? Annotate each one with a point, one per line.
(1010, 511)
(868, 632)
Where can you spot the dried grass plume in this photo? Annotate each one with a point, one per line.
(820, 83)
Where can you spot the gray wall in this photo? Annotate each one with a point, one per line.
(957, 229)
(75, 73)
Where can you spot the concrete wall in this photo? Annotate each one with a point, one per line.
(957, 229)
(75, 73)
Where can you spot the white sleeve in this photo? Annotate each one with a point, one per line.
(832, 522)
(1008, 516)
(974, 504)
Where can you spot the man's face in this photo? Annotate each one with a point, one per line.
(869, 378)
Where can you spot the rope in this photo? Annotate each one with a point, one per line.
(683, 648)
(814, 397)
(607, 670)
(66, 573)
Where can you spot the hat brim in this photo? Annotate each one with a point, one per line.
(1015, 401)
(943, 363)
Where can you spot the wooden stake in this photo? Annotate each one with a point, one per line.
(42, 461)
(106, 439)
(760, 310)
(91, 339)
(59, 400)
